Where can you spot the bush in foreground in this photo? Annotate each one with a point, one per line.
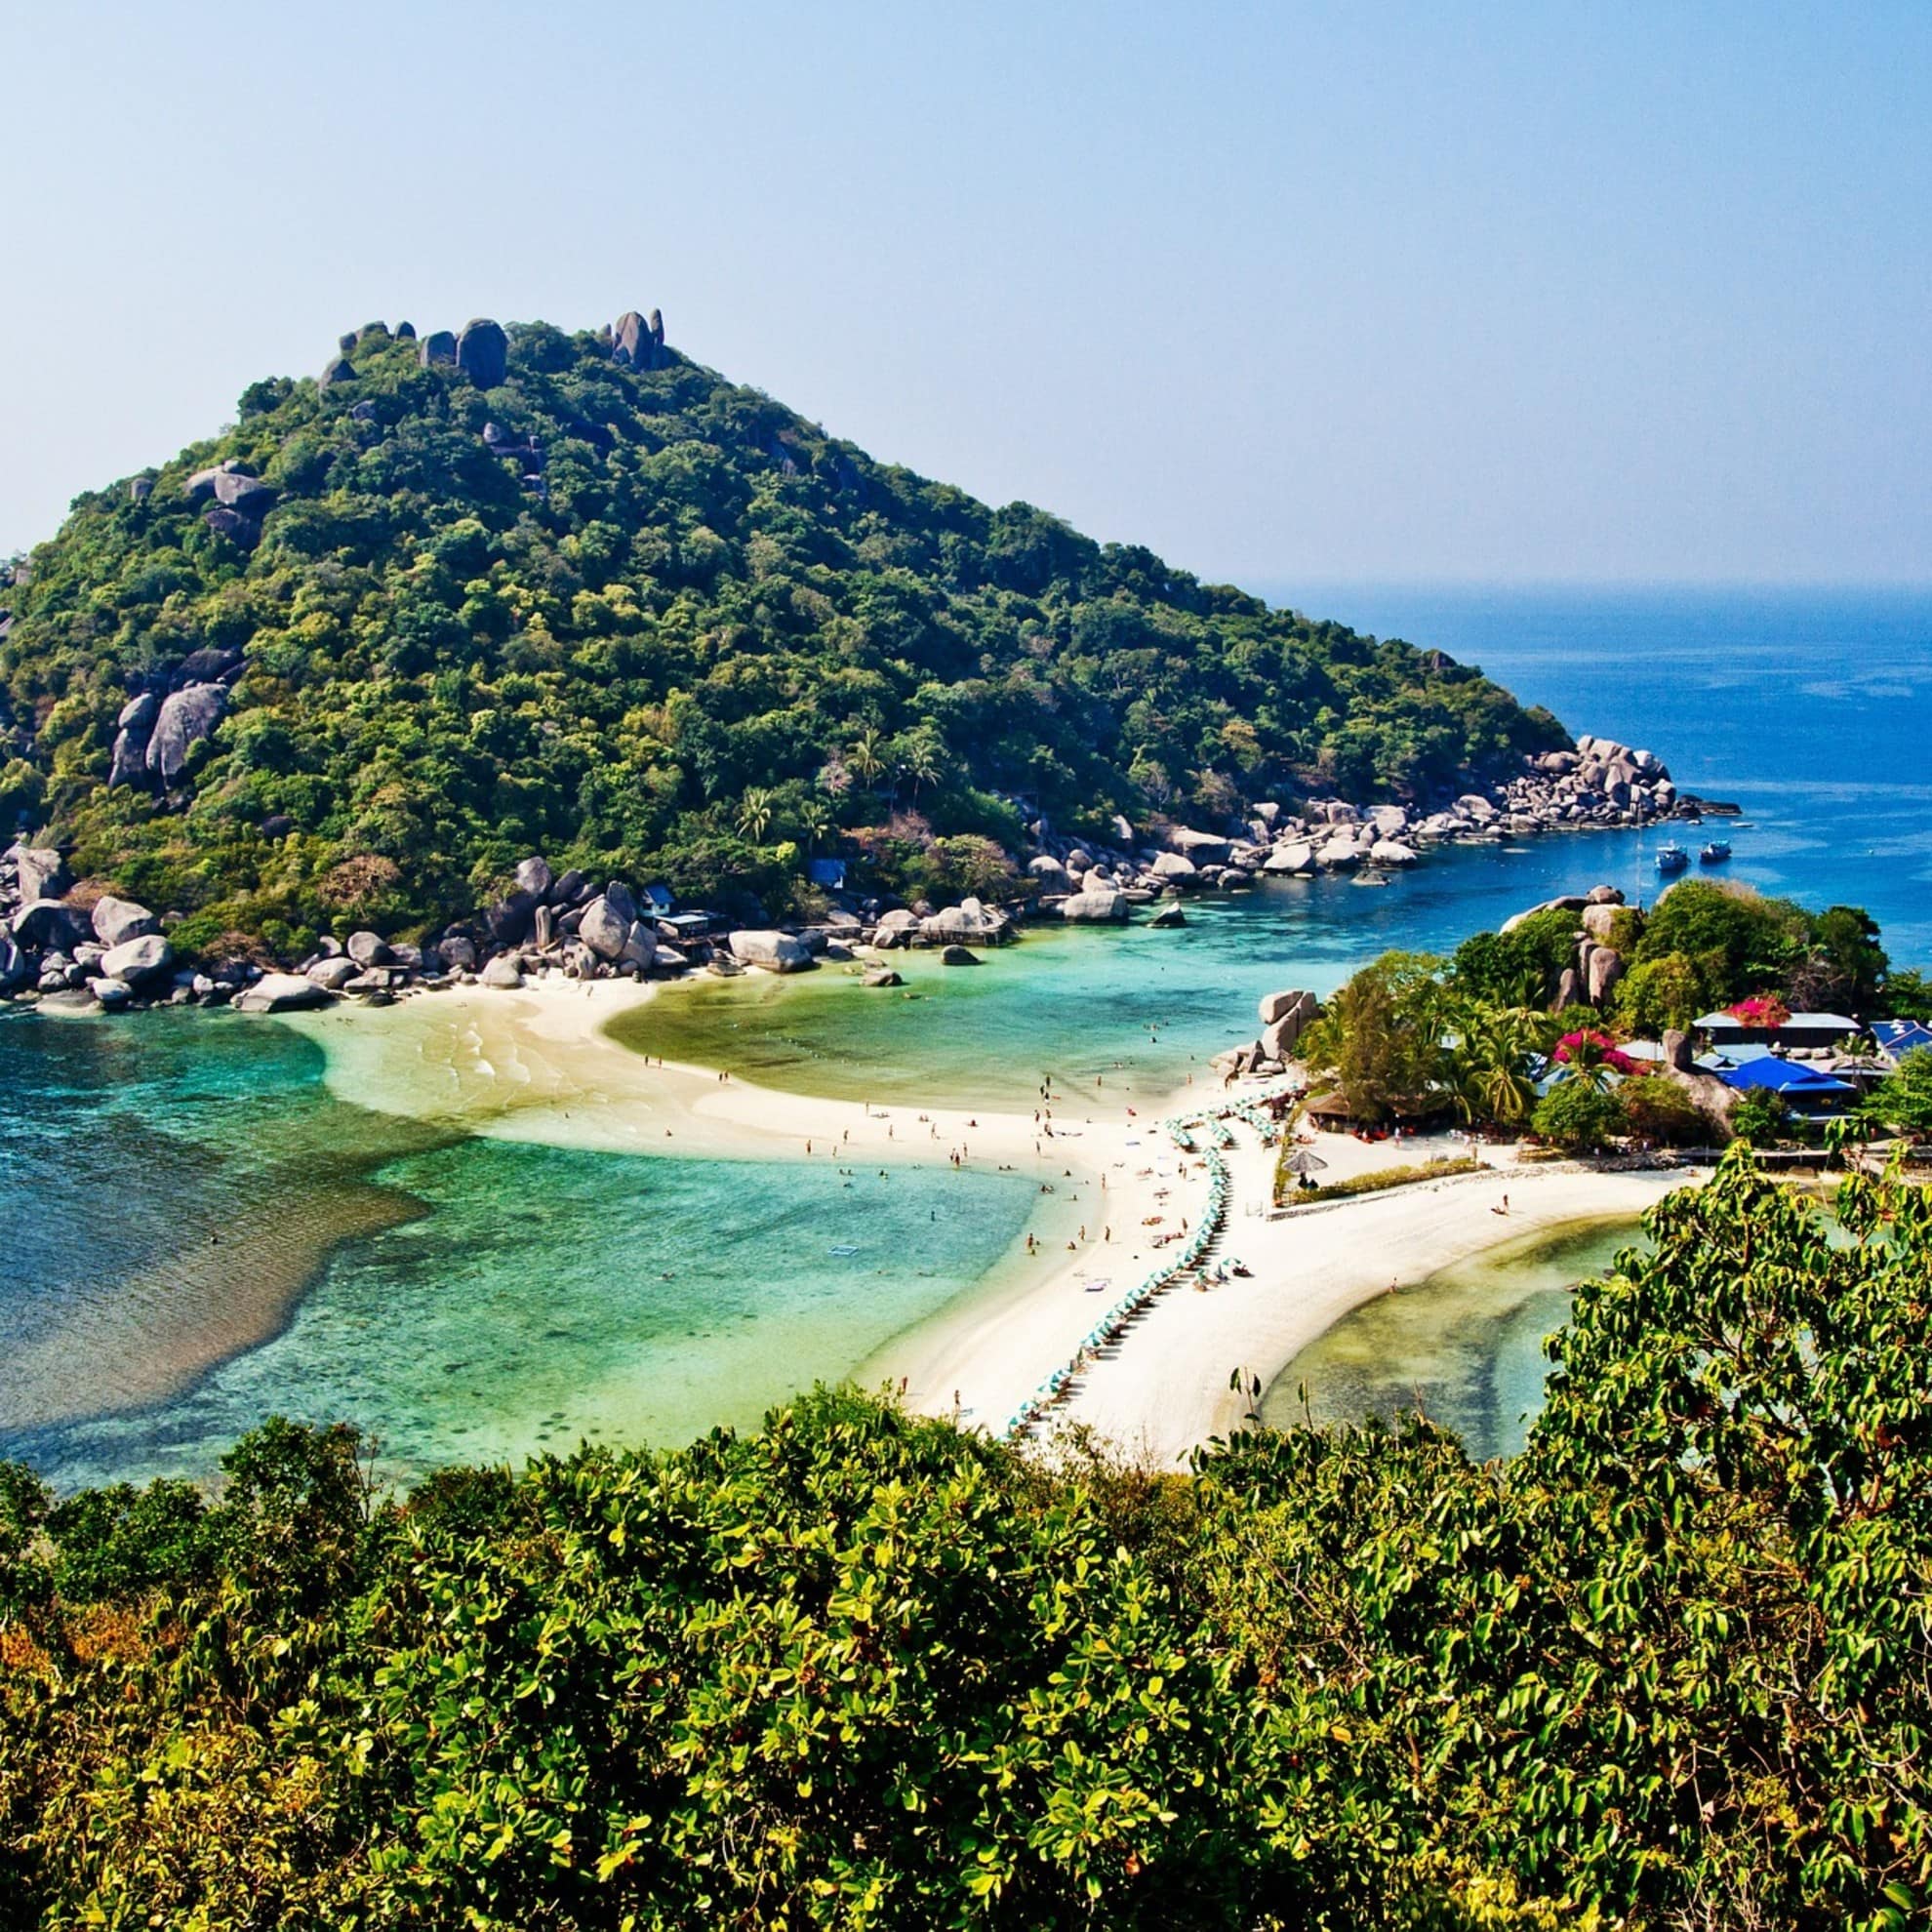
(1667, 1666)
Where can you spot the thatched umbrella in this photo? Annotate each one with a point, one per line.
(1301, 1161)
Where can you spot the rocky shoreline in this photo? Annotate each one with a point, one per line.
(74, 947)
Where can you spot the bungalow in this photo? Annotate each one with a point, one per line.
(827, 873)
(1803, 1089)
(1797, 1029)
(657, 899)
(679, 926)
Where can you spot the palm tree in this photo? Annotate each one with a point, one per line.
(925, 758)
(867, 758)
(754, 813)
(1494, 1045)
(815, 822)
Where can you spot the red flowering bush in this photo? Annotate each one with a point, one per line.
(1765, 1010)
(1589, 1048)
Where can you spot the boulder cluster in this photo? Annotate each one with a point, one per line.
(1601, 784)
(1284, 1018)
(1598, 964)
(86, 947)
(236, 499)
(85, 950)
(171, 713)
(637, 342)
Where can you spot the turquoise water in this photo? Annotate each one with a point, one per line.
(201, 1198)
(1464, 1347)
(198, 1233)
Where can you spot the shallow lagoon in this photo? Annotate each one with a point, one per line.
(1464, 1346)
(205, 1236)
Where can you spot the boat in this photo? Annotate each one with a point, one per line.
(1671, 859)
(1716, 852)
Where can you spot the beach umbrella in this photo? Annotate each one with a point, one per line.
(1304, 1162)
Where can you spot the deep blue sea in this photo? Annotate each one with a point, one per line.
(199, 1233)
(1812, 709)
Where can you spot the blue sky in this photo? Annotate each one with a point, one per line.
(1352, 291)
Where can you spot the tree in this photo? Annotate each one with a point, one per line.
(1491, 1057)
(1578, 1115)
(868, 755)
(1759, 1117)
(1380, 1037)
(1844, 966)
(754, 813)
(1907, 995)
(1658, 994)
(1902, 1100)
(1739, 939)
(1655, 1109)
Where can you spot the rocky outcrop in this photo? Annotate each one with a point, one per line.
(638, 341)
(438, 347)
(39, 872)
(333, 975)
(337, 368)
(1602, 968)
(138, 960)
(200, 487)
(46, 925)
(1713, 1096)
(135, 724)
(482, 352)
(880, 976)
(242, 531)
(776, 952)
(1293, 855)
(970, 921)
(959, 955)
(504, 973)
(1199, 847)
(281, 993)
(183, 720)
(1285, 1017)
(116, 921)
(603, 929)
(1096, 905)
(249, 494)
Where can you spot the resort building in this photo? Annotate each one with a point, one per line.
(1798, 1030)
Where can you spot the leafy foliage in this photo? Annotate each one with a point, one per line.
(708, 640)
(1669, 1666)
(1578, 1114)
(1904, 1098)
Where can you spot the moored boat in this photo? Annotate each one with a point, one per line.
(1716, 852)
(1671, 859)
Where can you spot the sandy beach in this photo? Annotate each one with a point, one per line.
(536, 1064)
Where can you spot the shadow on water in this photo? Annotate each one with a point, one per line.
(1463, 1346)
(206, 1236)
(174, 1184)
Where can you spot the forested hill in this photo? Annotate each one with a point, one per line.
(402, 624)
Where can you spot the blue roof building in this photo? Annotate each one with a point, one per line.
(827, 872)
(1901, 1036)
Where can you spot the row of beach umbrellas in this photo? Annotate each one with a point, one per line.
(1181, 1130)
